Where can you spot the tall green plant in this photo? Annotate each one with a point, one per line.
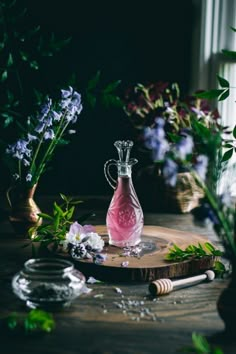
(22, 49)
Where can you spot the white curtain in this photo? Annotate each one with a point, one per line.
(212, 33)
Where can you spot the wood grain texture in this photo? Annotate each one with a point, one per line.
(97, 324)
(152, 264)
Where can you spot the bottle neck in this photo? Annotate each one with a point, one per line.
(124, 170)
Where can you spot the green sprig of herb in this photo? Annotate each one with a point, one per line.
(176, 254)
(192, 251)
(201, 346)
(35, 321)
(57, 224)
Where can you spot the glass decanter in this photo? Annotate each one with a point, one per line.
(124, 218)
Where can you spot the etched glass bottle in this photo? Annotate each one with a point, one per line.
(124, 218)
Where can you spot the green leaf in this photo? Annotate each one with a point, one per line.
(2, 45)
(233, 29)
(24, 56)
(70, 213)
(234, 132)
(94, 81)
(209, 247)
(224, 95)
(34, 65)
(39, 320)
(112, 86)
(58, 208)
(64, 197)
(228, 146)
(4, 76)
(8, 120)
(45, 216)
(92, 100)
(229, 53)
(12, 320)
(75, 202)
(218, 350)
(9, 60)
(223, 82)
(227, 155)
(200, 343)
(110, 100)
(209, 94)
(63, 142)
(219, 267)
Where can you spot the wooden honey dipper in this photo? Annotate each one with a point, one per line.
(165, 286)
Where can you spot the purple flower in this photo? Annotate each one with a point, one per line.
(49, 134)
(31, 137)
(28, 177)
(170, 171)
(40, 127)
(201, 166)
(160, 122)
(226, 199)
(76, 99)
(99, 258)
(19, 149)
(154, 139)
(26, 162)
(198, 112)
(48, 121)
(45, 108)
(88, 228)
(55, 116)
(160, 149)
(66, 93)
(184, 147)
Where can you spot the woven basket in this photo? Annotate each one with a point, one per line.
(185, 195)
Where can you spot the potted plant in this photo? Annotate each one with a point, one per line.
(160, 116)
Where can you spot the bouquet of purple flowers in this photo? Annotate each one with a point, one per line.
(29, 155)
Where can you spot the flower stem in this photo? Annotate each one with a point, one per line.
(220, 215)
(51, 147)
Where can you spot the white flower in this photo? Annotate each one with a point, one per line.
(75, 235)
(83, 236)
(94, 241)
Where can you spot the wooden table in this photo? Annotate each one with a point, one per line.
(108, 322)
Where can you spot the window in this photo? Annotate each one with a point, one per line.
(212, 33)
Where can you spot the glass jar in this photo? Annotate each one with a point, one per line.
(48, 283)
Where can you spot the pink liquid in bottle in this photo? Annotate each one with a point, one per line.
(124, 216)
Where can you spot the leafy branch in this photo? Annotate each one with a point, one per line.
(21, 52)
(35, 321)
(192, 251)
(176, 254)
(57, 224)
(106, 94)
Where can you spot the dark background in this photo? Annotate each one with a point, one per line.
(130, 41)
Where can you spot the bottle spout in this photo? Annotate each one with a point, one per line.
(124, 147)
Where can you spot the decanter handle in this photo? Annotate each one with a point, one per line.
(107, 174)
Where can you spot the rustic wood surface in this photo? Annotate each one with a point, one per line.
(107, 322)
(151, 264)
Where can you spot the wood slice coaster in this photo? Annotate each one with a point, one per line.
(151, 265)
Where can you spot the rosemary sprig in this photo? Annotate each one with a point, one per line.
(192, 251)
